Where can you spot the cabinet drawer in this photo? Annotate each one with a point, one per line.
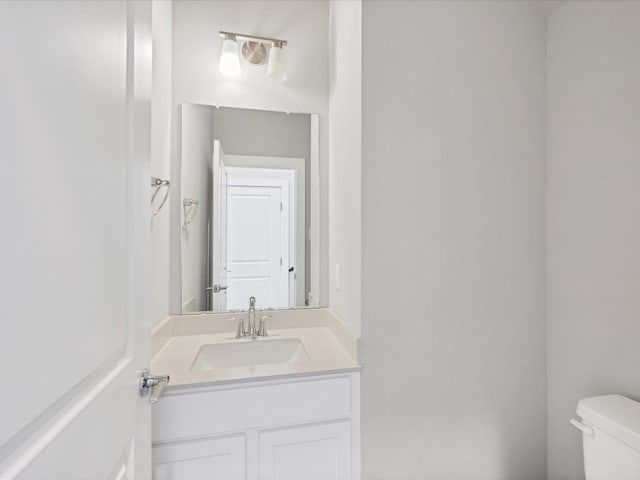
(250, 406)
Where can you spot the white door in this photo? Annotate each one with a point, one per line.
(312, 452)
(261, 236)
(219, 266)
(75, 256)
(256, 250)
(294, 171)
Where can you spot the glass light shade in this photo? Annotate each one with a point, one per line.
(229, 59)
(277, 67)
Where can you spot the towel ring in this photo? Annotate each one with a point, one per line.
(158, 184)
(190, 208)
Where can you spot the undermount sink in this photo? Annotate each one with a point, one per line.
(256, 353)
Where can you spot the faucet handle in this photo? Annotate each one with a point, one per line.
(241, 331)
(262, 330)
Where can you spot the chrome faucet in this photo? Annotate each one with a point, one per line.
(251, 327)
(252, 317)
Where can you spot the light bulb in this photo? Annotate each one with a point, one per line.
(277, 68)
(229, 59)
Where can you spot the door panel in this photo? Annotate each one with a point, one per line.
(255, 246)
(216, 458)
(314, 452)
(74, 136)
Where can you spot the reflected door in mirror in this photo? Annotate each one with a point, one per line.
(259, 237)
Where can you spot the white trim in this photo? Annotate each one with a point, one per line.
(313, 293)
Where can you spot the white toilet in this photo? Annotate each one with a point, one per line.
(610, 437)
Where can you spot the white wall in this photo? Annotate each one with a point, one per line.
(345, 136)
(453, 170)
(161, 108)
(594, 215)
(304, 25)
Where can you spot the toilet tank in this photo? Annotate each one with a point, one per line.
(610, 437)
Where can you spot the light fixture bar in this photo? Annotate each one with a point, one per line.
(252, 38)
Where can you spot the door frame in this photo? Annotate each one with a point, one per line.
(218, 254)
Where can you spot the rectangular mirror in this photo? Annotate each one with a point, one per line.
(249, 224)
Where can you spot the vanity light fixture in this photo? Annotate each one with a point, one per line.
(229, 61)
(277, 68)
(254, 51)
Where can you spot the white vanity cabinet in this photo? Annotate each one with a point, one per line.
(302, 428)
(309, 452)
(205, 459)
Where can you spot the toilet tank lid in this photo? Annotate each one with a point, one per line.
(614, 414)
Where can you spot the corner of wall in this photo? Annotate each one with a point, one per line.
(161, 128)
(345, 152)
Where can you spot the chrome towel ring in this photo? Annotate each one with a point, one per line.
(158, 184)
(190, 208)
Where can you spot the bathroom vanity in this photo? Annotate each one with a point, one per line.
(247, 233)
(252, 407)
(285, 406)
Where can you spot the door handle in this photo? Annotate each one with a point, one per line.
(153, 384)
(586, 429)
(217, 288)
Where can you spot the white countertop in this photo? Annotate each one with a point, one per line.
(326, 354)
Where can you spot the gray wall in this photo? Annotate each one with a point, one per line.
(262, 133)
(453, 331)
(594, 215)
(195, 184)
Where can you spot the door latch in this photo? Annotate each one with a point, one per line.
(153, 384)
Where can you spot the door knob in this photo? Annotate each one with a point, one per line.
(153, 384)
(217, 288)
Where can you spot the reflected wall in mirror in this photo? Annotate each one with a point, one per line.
(249, 223)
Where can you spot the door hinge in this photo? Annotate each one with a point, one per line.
(280, 206)
(280, 261)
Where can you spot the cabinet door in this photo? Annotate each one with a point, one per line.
(312, 452)
(214, 458)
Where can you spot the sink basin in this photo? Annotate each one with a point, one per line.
(252, 354)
